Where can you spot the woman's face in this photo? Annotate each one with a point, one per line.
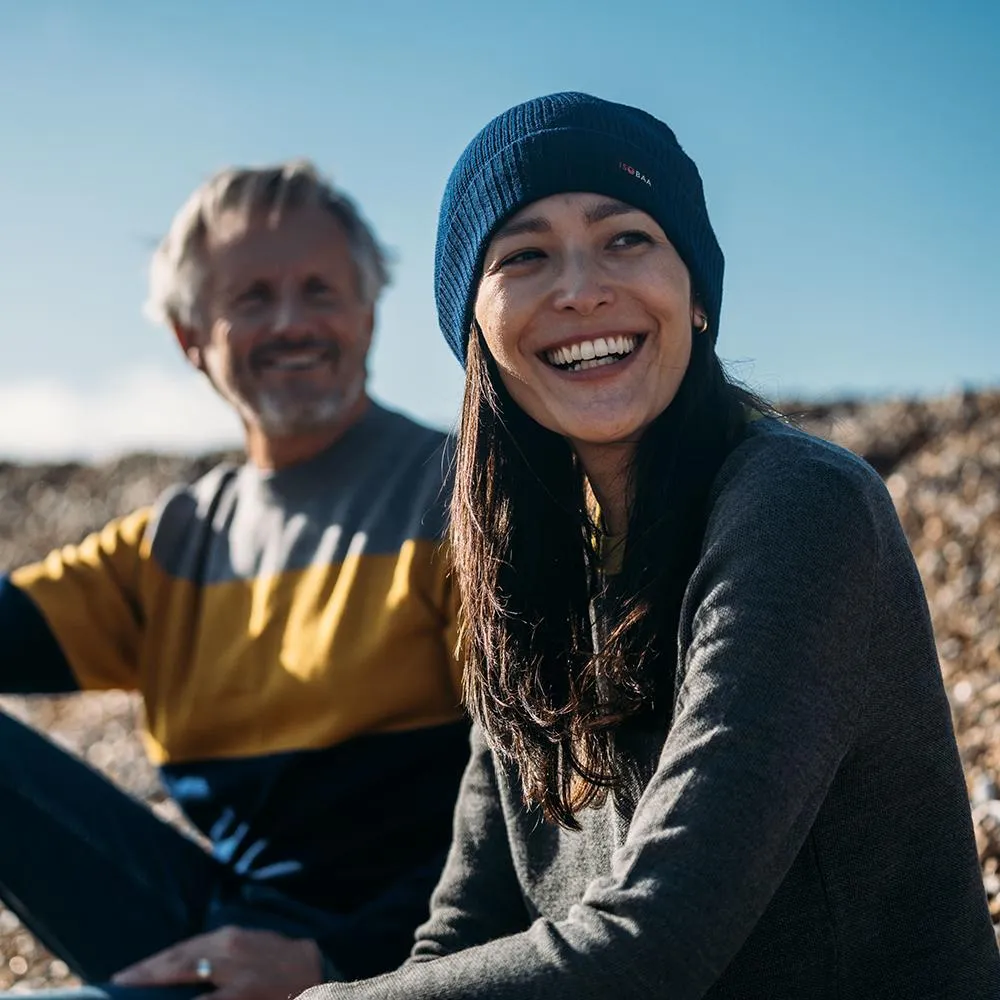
(586, 307)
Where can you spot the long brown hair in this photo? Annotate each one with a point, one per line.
(526, 553)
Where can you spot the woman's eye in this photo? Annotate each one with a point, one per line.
(632, 238)
(521, 257)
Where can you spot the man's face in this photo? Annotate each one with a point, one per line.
(284, 333)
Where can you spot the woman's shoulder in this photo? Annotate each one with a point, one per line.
(781, 469)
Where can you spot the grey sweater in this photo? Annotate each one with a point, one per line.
(805, 832)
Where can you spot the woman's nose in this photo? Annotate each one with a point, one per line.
(581, 285)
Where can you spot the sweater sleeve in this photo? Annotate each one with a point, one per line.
(774, 677)
(89, 596)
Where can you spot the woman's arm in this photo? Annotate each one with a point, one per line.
(478, 897)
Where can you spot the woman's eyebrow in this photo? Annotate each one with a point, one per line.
(539, 224)
(532, 224)
(606, 210)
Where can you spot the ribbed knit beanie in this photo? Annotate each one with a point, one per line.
(568, 142)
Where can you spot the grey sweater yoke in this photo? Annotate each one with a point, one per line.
(805, 832)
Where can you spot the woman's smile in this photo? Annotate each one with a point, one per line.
(593, 352)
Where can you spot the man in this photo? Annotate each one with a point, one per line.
(288, 624)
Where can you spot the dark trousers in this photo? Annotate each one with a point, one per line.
(97, 877)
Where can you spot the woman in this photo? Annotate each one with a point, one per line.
(713, 754)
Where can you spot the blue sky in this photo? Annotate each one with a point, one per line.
(849, 151)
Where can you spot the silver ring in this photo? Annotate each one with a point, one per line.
(203, 969)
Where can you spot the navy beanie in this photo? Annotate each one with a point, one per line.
(560, 143)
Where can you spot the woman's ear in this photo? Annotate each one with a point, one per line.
(699, 318)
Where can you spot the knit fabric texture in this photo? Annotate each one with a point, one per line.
(562, 143)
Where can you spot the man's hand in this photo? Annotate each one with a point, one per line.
(243, 964)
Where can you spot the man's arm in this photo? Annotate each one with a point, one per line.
(31, 660)
(74, 620)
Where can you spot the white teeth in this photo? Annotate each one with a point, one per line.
(594, 363)
(590, 353)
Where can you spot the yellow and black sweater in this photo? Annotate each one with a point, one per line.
(292, 637)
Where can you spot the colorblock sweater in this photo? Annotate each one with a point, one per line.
(804, 831)
(292, 636)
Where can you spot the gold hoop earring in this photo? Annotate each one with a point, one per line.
(703, 326)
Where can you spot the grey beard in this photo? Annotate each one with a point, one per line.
(279, 416)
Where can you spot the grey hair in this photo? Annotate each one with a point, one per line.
(177, 270)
